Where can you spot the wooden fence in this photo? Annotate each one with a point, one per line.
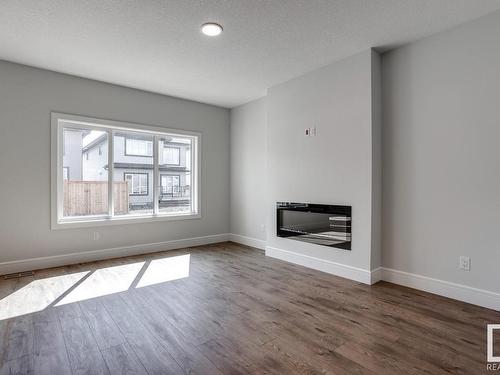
(91, 197)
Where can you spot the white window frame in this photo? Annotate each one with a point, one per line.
(61, 120)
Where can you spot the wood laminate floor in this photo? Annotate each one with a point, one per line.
(228, 309)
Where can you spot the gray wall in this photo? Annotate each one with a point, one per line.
(28, 95)
(441, 155)
(336, 166)
(248, 169)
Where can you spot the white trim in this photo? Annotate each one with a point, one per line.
(460, 292)
(93, 122)
(248, 241)
(156, 176)
(110, 126)
(196, 150)
(88, 222)
(89, 256)
(111, 172)
(376, 275)
(475, 296)
(338, 269)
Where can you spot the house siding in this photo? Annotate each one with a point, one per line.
(72, 155)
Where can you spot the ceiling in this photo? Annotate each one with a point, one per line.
(156, 45)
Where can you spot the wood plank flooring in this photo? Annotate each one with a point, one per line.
(234, 312)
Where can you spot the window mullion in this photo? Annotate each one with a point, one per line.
(59, 180)
(111, 201)
(194, 175)
(156, 176)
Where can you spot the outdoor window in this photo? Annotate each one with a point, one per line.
(137, 183)
(109, 182)
(171, 155)
(170, 185)
(176, 188)
(138, 147)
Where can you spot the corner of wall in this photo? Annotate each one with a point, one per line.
(248, 158)
(376, 191)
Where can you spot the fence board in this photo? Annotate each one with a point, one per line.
(91, 197)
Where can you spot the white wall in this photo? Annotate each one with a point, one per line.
(249, 171)
(27, 97)
(441, 155)
(336, 166)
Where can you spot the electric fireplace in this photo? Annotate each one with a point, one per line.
(320, 224)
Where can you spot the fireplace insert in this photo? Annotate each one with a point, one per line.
(320, 224)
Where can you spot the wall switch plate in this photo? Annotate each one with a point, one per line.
(263, 228)
(96, 236)
(465, 263)
(310, 132)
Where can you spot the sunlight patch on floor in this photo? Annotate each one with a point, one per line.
(37, 295)
(104, 281)
(165, 269)
(70, 288)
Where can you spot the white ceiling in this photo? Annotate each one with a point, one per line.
(155, 45)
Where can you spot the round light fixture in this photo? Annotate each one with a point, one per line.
(211, 29)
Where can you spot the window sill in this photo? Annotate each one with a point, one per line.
(99, 222)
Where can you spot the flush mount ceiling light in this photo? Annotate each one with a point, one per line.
(211, 29)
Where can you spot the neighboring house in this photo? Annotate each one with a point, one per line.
(133, 162)
(72, 154)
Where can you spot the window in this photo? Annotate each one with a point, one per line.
(137, 183)
(171, 155)
(175, 187)
(138, 147)
(170, 185)
(114, 184)
(137, 171)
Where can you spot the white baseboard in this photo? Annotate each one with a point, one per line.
(249, 241)
(443, 288)
(376, 275)
(338, 269)
(89, 256)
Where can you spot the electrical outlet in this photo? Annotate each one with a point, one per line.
(465, 263)
(97, 235)
(263, 228)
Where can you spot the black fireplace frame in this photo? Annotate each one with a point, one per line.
(343, 212)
